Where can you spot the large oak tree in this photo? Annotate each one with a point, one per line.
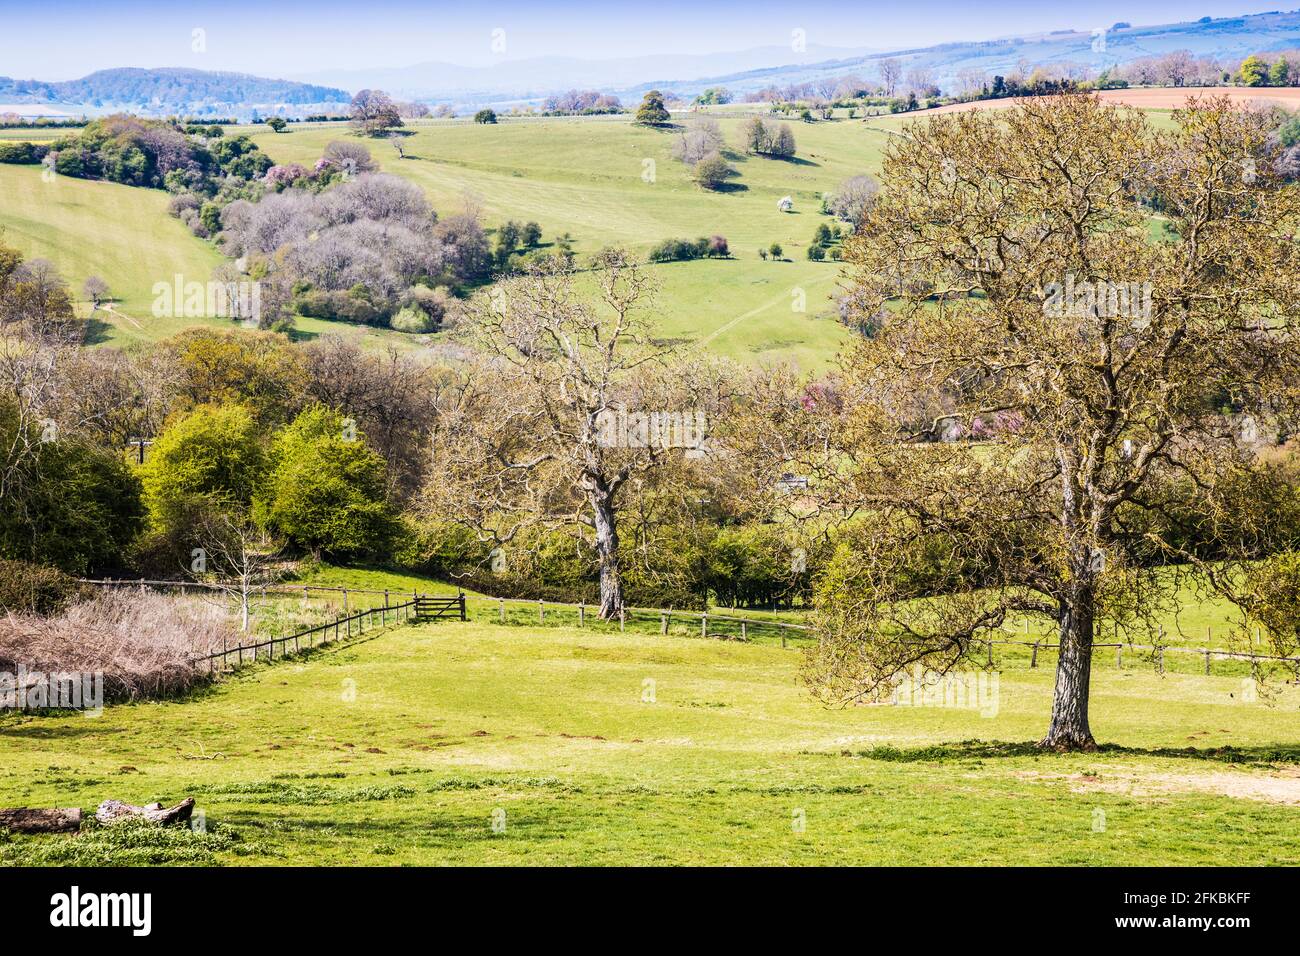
(1084, 328)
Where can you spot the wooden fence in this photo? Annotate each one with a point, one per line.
(420, 607)
(666, 616)
(428, 607)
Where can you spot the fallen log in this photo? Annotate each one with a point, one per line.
(111, 811)
(23, 820)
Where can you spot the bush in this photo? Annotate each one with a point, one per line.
(36, 589)
(144, 643)
(339, 307)
(816, 253)
(678, 250)
(412, 320)
(22, 153)
(712, 172)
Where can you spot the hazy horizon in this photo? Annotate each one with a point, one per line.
(62, 41)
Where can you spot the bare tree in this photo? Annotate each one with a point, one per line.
(891, 73)
(853, 198)
(236, 558)
(95, 289)
(569, 405)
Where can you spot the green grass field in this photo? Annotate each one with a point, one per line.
(408, 746)
(119, 233)
(589, 178)
(608, 182)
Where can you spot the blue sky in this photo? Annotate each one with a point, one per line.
(49, 39)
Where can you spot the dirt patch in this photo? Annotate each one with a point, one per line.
(1278, 786)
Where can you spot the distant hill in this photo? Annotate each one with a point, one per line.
(536, 77)
(1225, 38)
(173, 90)
(528, 80)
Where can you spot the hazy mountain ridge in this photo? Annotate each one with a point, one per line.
(170, 90)
(528, 81)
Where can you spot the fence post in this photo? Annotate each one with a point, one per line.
(461, 596)
(743, 635)
(503, 609)
(345, 600)
(1033, 659)
(541, 612)
(582, 613)
(991, 651)
(1207, 662)
(1119, 656)
(620, 621)
(782, 638)
(1161, 657)
(663, 623)
(704, 624)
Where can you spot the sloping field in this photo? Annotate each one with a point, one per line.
(608, 182)
(119, 233)
(472, 743)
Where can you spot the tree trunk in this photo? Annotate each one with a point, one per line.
(22, 820)
(111, 811)
(1069, 728)
(611, 581)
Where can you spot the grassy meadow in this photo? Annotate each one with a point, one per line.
(472, 743)
(607, 182)
(603, 181)
(120, 233)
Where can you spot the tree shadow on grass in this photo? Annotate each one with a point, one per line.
(994, 749)
(95, 331)
(729, 188)
(794, 161)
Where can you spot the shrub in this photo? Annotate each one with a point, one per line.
(411, 319)
(22, 152)
(485, 116)
(816, 253)
(27, 588)
(712, 172)
(675, 250)
(144, 643)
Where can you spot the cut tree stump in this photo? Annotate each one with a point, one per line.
(111, 811)
(23, 820)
